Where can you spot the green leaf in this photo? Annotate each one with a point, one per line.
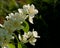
(19, 45)
(10, 45)
(26, 26)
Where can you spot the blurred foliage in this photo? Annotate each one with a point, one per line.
(11, 46)
(45, 7)
(7, 6)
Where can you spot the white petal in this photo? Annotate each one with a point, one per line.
(16, 13)
(35, 34)
(20, 11)
(29, 33)
(6, 17)
(35, 11)
(11, 14)
(19, 36)
(34, 40)
(32, 6)
(12, 37)
(24, 40)
(32, 43)
(31, 19)
(26, 6)
(1, 25)
(25, 35)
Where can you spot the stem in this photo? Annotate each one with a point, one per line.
(16, 37)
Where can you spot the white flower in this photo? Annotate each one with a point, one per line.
(33, 37)
(29, 37)
(35, 34)
(26, 7)
(20, 11)
(32, 41)
(14, 22)
(10, 15)
(7, 17)
(23, 38)
(31, 11)
(25, 35)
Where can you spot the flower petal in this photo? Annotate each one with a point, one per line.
(35, 34)
(19, 36)
(31, 19)
(1, 25)
(32, 41)
(20, 11)
(35, 11)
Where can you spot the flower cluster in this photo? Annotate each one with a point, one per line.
(14, 22)
(29, 37)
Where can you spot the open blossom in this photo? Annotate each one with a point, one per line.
(31, 11)
(15, 21)
(35, 34)
(27, 11)
(32, 41)
(29, 37)
(10, 16)
(22, 38)
(22, 13)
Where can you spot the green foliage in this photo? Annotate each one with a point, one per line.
(19, 45)
(11, 45)
(26, 26)
(6, 6)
